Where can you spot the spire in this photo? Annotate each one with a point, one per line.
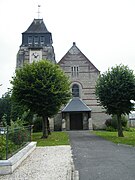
(37, 26)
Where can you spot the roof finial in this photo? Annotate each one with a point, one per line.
(39, 11)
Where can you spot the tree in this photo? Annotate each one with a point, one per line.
(41, 87)
(9, 110)
(115, 89)
(5, 107)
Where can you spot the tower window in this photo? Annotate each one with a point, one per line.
(36, 40)
(30, 40)
(75, 90)
(42, 39)
(75, 71)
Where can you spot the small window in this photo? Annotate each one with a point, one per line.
(36, 40)
(30, 40)
(75, 71)
(42, 39)
(72, 70)
(75, 90)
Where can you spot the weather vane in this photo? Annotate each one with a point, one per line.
(39, 11)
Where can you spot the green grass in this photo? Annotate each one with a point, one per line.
(129, 137)
(55, 139)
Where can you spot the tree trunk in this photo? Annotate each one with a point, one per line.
(48, 127)
(120, 131)
(44, 127)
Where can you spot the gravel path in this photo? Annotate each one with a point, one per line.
(45, 163)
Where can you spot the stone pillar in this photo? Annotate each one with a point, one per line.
(51, 123)
(85, 121)
(90, 123)
(63, 125)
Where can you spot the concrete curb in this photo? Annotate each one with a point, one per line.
(8, 166)
(73, 174)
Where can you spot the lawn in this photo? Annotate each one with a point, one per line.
(129, 137)
(55, 139)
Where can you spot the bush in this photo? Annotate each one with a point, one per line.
(129, 129)
(111, 129)
(113, 123)
(3, 147)
(19, 136)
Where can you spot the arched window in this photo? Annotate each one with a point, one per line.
(75, 90)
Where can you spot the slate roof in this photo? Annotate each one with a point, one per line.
(37, 26)
(76, 105)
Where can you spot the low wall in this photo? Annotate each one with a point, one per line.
(8, 166)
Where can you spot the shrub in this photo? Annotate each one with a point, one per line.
(114, 123)
(129, 129)
(3, 147)
(19, 136)
(110, 128)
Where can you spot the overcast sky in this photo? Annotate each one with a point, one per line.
(104, 30)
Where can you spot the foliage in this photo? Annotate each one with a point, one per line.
(16, 136)
(16, 124)
(19, 136)
(27, 117)
(110, 128)
(41, 87)
(129, 137)
(4, 120)
(18, 133)
(3, 147)
(5, 107)
(115, 89)
(12, 110)
(19, 111)
(37, 124)
(56, 138)
(112, 122)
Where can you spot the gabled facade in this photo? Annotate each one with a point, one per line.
(83, 76)
(36, 44)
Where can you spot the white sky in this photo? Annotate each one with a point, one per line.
(104, 30)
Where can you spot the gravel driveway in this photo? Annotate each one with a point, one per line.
(45, 163)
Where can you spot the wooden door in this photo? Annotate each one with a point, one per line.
(76, 121)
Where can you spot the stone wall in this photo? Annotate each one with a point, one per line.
(86, 79)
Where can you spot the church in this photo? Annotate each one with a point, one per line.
(83, 111)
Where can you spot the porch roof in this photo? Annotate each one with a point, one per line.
(76, 105)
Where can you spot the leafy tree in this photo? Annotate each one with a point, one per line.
(21, 112)
(41, 87)
(9, 110)
(115, 89)
(5, 107)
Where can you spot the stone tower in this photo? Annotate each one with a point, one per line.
(36, 44)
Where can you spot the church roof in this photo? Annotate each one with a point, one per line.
(37, 26)
(74, 53)
(76, 105)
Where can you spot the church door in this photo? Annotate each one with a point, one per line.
(76, 121)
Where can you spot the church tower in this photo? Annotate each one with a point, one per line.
(36, 44)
